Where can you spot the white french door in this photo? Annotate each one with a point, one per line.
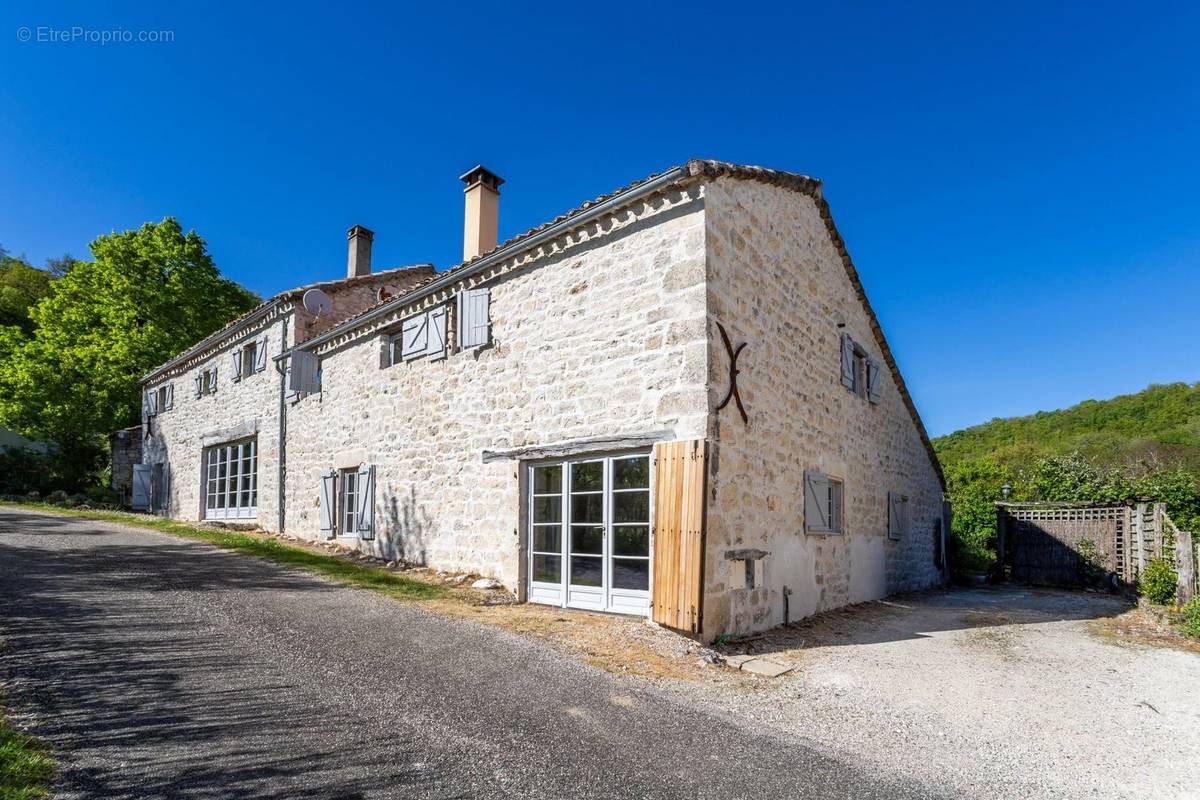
(589, 533)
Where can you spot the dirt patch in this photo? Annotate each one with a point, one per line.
(1143, 626)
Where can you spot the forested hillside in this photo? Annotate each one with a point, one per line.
(1160, 424)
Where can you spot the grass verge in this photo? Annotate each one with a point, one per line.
(348, 572)
(26, 768)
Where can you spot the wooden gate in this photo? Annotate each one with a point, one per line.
(677, 594)
(1064, 545)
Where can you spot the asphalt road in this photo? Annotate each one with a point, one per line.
(160, 668)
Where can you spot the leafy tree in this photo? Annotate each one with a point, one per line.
(21, 288)
(146, 295)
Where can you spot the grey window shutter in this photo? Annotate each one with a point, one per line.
(212, 382)
(872, 380)
(834, 492)
(435, 345)
(893, 504)
(816, 516)
(366, 501)
(304, 373)
(849, 368)
(164, 503)
(328, 487)
(151, 402)
(414, 333)
(260, 353)
(198, 380)
(474, 322)
(169, 397)
(141, 487)
(235, 364)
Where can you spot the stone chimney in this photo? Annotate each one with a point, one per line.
(358, 262)
(482, 211)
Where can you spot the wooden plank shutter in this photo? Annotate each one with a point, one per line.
(235, 364)
(260, 353)
(141, 487)
(304, 373)
(872, 380)
(679, 475)
(816, 494)
(198, 380)
(151, 402)
(328, 487)
(474, 323)
(414, 337)
(366, 501)
(212, 383)
(435, 341)
(169, 397)
(849, 368)
(164, 500)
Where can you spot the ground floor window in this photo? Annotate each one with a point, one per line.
(348, 502)
(589, 532)
(231, 480)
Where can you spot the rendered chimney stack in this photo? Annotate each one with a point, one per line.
(358, 262)
(482, 211)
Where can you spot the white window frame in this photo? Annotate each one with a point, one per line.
(346, 520)
(208, 382)
(830, 491)
(224, 464)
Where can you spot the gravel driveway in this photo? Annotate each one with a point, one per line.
(988, 693)
(160, 668)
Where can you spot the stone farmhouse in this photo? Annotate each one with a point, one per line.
(674, 400)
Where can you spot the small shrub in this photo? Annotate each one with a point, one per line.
(1189, 617)
(1157, 582)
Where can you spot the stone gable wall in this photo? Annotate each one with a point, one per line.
(777, 282)
(603, 336)
(236, 410)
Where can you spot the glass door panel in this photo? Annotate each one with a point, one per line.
(546, 534)
(630, 550)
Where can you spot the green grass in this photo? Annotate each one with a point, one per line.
(25, 767)
(348, 572)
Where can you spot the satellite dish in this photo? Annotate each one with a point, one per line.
(317, 302)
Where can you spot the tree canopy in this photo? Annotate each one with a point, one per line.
(22, 287)
(146, 295)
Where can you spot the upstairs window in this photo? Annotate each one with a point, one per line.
(206, 381)
(422, 336)
(822, 503)
(860, 372)
(249, 358)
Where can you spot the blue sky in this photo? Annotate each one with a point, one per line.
(1017, 186)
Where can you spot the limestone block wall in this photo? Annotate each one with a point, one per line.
(776, 281)
(599, 333)
(237, 410)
